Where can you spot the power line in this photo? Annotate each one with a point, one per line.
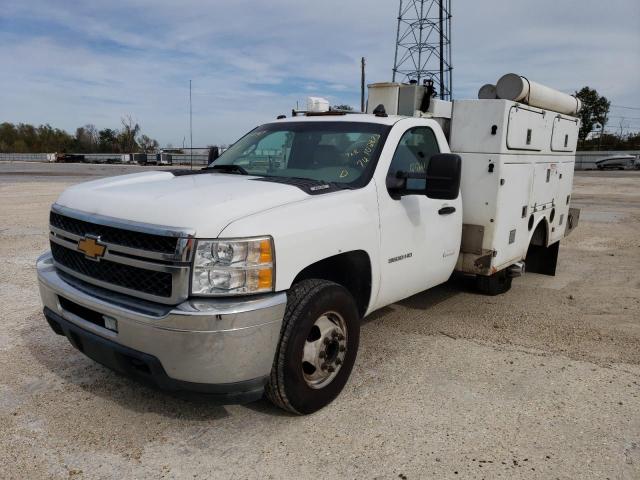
(624, 117)
(628, 108)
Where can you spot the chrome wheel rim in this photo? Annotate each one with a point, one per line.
(324, 350)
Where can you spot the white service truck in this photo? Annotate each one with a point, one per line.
(253, 274)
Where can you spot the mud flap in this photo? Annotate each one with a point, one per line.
(542, 259)
(572, 220)
(499, 282)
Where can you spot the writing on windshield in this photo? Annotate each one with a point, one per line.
(341, 152)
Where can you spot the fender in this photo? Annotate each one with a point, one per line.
(307, 232)
(545, 228)
(542, 257)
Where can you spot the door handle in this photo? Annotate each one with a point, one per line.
(446, 210)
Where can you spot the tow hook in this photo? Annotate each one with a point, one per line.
(516, 270)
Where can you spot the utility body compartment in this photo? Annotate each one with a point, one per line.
(517, 174)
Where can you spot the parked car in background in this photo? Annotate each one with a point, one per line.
(617, 162)
(65, 158)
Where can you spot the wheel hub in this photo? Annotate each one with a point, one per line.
(324, 350)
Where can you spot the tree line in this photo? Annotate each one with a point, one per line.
(25, 138)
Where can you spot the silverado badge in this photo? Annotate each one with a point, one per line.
(91, 247)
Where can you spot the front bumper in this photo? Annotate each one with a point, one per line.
(220, 346)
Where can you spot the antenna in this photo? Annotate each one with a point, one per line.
(362, 82)
(423, 44)
(190, 127)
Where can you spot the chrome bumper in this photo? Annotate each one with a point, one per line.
(199, 342)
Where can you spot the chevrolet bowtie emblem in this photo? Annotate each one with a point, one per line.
(91, 247)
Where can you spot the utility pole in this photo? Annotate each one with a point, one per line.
(362, 64)
(600, 136)
(190, 126)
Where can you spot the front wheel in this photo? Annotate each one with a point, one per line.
(317, 349)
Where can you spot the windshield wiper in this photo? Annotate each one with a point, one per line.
(229, 169)
(311, 183)
(342, 186)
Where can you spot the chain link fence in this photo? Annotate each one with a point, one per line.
(23, 157)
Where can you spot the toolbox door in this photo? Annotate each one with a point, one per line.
(565, 134)
(526, 129)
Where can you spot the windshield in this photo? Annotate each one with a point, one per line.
(339, 152)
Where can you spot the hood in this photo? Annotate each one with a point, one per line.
(206, 203)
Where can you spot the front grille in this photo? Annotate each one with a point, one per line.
(134, 278)
(126, 238)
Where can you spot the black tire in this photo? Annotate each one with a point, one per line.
(306, 302)
(494, 284)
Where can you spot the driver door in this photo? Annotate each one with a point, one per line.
(420, 236)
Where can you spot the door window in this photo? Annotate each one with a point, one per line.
(412, 155)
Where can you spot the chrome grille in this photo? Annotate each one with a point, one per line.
(145, 261)
(139, 279)
(119, 236)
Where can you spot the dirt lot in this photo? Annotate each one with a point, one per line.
(542, 382)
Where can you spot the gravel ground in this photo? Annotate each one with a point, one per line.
(542, 382)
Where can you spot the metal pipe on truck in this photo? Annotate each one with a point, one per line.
(520, 89)
(487, 92)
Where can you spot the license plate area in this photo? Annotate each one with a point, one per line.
(89, 315)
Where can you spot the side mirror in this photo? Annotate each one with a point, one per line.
(403, 183)
(443, 176)
(395, 183)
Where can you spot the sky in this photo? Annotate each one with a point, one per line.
(69, 63)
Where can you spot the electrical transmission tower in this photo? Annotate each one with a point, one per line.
(423, 44)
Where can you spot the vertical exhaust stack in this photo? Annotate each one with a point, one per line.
(520, 89)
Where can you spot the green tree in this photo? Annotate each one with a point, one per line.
(25, 138)
(28, 139)
(54, 139)
(128, 134)
(594, 112)
(108, 141)
(8, 136)
(147, 144)
(86, 139)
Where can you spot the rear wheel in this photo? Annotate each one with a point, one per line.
(318, 346)
(494, 284)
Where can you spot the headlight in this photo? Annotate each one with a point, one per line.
(233, 267)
